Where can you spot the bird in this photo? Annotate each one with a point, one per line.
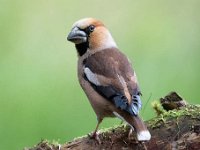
(106, 76)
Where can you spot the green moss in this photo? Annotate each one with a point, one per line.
(157, 107)
(116, 127)
(104, 131)
(80, 137)
(189, 110)
(161, 119)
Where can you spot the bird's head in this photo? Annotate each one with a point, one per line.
(90, 34)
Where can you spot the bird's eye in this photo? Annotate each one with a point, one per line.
(91, 28)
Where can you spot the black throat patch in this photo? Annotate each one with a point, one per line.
(82, 48)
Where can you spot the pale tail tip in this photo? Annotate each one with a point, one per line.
(144, 136)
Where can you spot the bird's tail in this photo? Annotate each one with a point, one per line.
(138, 125)
(143, 133)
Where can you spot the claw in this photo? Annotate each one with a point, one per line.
(130, 134)
(95, 136)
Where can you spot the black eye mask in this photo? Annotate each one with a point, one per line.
(88, 30)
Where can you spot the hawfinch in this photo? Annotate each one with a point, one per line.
(106, 76)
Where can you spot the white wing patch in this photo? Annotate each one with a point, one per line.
(92, 77)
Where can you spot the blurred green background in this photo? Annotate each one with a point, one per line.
(40, 97)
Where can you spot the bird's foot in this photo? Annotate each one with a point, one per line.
(95, 136)
(131, 137)
(130, 134)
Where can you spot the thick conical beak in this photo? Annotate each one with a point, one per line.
(77, 36)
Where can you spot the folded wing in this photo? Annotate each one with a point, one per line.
(111, 75)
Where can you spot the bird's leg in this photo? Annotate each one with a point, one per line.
(130, 135)
(94, 135)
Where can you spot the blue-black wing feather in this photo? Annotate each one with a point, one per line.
(118, 99)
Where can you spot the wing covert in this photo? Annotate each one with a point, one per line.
(107, 72)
